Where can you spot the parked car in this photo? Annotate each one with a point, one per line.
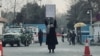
(11, 39)
(15, 36)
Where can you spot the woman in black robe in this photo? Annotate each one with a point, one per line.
(51, 39)
(40, 37)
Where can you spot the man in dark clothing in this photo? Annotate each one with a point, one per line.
(73, 35)
(62, 32)
(51, 39)
(40, 36)
(69, 37)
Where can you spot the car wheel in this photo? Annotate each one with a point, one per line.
(11, 45)
(18, 44)
(25, 44)
(4, 45)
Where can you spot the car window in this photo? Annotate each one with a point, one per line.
(14, 30)
(8, 36)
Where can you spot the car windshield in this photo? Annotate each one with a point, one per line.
(8, 36)
(14, 30)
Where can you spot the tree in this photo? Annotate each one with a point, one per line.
(8, 16)
(18, 18)
(77, 13)
(32, 13)
(10, 8)
(6, 11)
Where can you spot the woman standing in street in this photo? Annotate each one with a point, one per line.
(51, 39)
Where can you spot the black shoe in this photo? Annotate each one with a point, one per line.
(40, 44)
(53, 51)
(49, 51)
(69, 43)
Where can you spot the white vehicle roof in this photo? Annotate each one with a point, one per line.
(12, 34)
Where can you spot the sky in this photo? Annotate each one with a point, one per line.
(61, 5)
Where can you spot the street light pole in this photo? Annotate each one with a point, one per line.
(90, 12)
(27, 16)
(91, 29)
(91, 17)
(40, 8)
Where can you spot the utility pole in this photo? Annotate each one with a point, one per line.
(91, 17)
(90, 12)
(40, 9)
(14, 9)
(27, 9)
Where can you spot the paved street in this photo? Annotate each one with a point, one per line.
(23, 21)
(63, 49)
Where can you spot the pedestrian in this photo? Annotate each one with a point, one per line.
(62, 32)
(69, 37)
(73, 35)
(51, 39)
(40, 37)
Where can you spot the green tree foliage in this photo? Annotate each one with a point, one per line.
(8, 15)
(31, 13)
(78, 13)
(96, 6)
(19, 18)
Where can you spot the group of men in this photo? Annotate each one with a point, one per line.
(70, 36)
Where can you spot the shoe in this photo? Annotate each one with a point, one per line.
(53, 51)
(40, 44)
(49, 51)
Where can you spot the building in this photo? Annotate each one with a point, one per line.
(2, 24)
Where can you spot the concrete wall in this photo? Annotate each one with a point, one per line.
(1, 28)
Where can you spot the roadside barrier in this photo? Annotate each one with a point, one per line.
(87, 49)
(1, 48)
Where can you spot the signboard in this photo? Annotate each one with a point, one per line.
(50, 10)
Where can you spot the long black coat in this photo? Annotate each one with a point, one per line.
(51, 38)
(40, 36)
(73, 35)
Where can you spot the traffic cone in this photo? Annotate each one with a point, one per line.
(1, 48)
(87, 49)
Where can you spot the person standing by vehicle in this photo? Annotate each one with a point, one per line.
(40, 36)
(51, 39)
